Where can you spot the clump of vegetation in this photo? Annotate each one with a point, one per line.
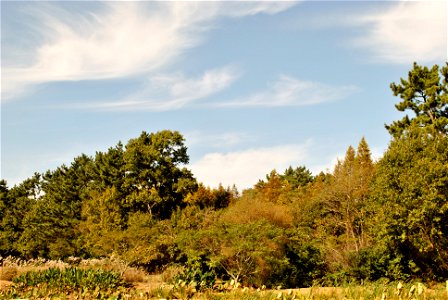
(55, 281)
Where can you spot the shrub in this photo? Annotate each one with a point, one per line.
(371, 264)
(197, 271)
(305, 265)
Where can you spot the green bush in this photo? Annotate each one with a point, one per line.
(305, 265)
(198, 271)
(371, 264)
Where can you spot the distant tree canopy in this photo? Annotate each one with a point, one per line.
(145, 176)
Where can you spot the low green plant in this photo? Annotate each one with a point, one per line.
(54, 282)
(198, 273)
(71, 278)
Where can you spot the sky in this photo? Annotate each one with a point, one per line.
(252, 86)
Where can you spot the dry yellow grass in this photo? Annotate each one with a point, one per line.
(7, 273)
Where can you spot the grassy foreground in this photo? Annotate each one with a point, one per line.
(113, 279)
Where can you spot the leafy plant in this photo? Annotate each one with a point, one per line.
(70, 279)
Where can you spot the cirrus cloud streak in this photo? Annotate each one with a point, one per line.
(118, 40)
(290, 91)
(169, 92)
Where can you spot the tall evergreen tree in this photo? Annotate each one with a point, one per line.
(4, 199)
(109, 168)
(424, 92)
(16, 204)
(51, 227)
(297, 177)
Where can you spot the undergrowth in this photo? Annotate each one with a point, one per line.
(68, 282)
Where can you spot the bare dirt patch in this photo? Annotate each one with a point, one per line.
(4, 284)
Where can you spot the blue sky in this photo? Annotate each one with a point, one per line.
(253, 86)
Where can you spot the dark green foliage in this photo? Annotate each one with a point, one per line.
(109, 168)
(4, 199)
(297, 177)
(16, 203)
(304, 265)
(266, 256)
(76, 210)
(153, 175)
(371, 264)
(424, 92)
(51, 227)
(199, 271)
(411, 194)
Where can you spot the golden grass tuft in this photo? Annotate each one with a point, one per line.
(133, 275)
(23, 266)
(8, 273)
(171, 272)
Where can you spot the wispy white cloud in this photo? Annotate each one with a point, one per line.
(118, 40)
(244, 168)
(171, 91)
(176, 91)
(216, 140)
(406, 32)
(398, 32)
(290, 91)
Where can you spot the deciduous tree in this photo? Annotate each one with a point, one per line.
(411, 193)
(154, 174)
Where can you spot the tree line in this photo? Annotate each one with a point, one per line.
(365, 220)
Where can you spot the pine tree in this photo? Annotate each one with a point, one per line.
(425, 92)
